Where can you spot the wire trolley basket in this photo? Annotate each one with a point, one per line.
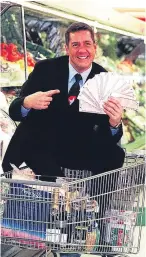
(79, 213)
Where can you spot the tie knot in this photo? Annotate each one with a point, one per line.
(78, 77)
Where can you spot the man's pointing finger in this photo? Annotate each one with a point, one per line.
(52, 92)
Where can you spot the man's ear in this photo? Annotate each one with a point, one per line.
(66, 49)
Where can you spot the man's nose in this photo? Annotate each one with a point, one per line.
(82, 48)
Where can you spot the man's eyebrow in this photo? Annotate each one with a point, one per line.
(75, 42)
(86, 41)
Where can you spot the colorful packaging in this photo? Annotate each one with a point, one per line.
(119, 227)
(26, 215)
(79, 235)
(92, 238)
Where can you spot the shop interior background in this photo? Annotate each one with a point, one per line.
(30, 35)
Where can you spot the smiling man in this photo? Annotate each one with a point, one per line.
(53, 133)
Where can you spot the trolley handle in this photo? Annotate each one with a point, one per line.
(35, 182)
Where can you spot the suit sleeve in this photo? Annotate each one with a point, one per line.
(31, 85)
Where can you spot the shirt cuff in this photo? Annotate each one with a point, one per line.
(114, 130)
(24, 111)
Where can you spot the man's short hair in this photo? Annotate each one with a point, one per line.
(78, 26)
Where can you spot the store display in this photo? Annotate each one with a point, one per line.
(3, 102)
(12, 65)
(7, 129)
(45, 39)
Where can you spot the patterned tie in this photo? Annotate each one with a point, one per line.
(74, 91)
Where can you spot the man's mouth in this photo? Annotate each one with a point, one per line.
(82, 57)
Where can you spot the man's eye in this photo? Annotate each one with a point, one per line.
(75, 44)
(88, 44)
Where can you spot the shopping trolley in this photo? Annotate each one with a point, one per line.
(78, 214)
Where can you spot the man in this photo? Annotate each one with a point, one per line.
(53, 133)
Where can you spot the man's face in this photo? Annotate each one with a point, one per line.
(81, 50)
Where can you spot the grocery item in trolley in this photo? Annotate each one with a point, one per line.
(85, 231)
(26, 208)
(102, 86)
(34, 213)
(119, 228)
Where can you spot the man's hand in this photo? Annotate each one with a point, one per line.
(39, 100)
(114, 110)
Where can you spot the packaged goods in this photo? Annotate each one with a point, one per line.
(92, 237)
(26, 214)
(119, 228)
(27, 209)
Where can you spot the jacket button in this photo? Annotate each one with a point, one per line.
(95, 127)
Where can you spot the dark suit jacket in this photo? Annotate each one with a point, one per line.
(61, 135)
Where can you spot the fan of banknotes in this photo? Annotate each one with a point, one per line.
(101, 87)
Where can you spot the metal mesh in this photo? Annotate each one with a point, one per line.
(81, 213)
